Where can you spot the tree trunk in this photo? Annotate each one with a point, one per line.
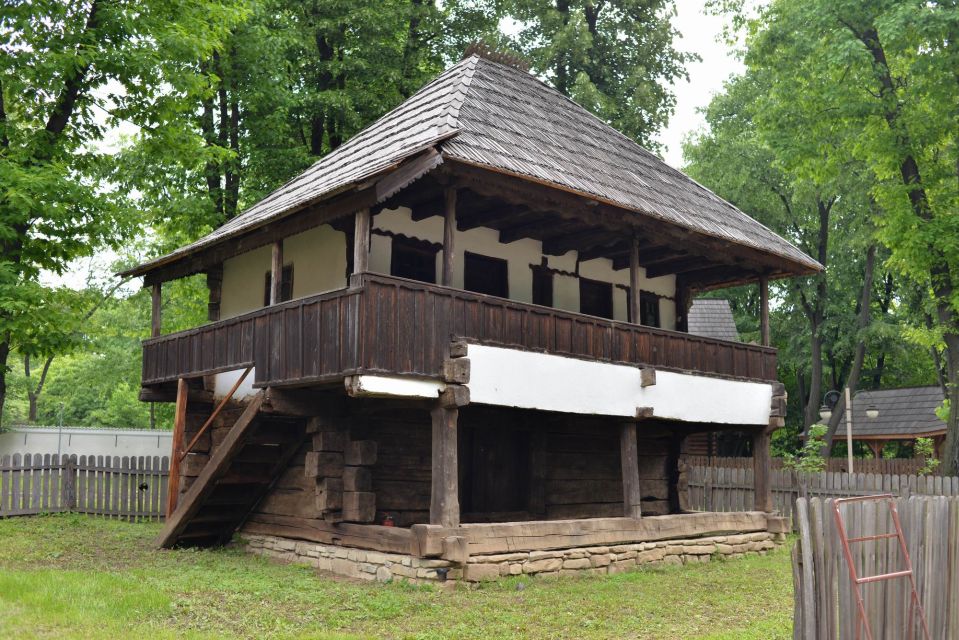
(852, 381)
(950, 462)
(4, 355)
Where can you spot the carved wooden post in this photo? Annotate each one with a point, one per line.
(444, 501)
(361, 242)
(155, 319)
(179, 425)
(629, 461)
(764, 310)
(449, 227)
(214, 283)
(276, 272)
(762, 470)
(634, 315)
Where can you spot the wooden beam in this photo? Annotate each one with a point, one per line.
(608, 250)
(629, 462)
(531, 225)
(762, 470)
(179, 426)
(764, 310)
(444, 499)
(491, 216)
(214, 284)
(449, 237)
(361, 241)
(578, 241)
(276, 272)
(573, 205)
(634, 306)
(156, 322)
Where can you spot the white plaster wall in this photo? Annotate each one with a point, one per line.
(225, 381)
(319, 264)
(318, 257)
(85, 442)
(242, 290)
(514, 378)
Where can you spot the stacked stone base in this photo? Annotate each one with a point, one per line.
(383, 567)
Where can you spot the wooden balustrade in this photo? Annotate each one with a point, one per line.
(395, 326)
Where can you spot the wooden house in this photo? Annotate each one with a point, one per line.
(462, 334)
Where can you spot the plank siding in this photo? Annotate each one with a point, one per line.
(401, 327)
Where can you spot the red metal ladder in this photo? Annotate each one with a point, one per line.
(914, 604)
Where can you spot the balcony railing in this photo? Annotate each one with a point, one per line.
(403, 327)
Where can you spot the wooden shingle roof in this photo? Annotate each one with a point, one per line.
(500, 117)
(712, 318)
(908, 413)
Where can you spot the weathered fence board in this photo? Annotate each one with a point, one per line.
(891, 466)
(731, 488)
(131, 488)
(825, 604)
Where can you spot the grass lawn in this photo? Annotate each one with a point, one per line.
(73, 576)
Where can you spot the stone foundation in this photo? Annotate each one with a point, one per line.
(383, 567)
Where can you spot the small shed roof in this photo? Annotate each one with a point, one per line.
(505, 119)
(712, 318)
(903, 413)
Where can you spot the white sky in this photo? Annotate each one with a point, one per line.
(699, 33)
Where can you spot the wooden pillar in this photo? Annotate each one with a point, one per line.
(361, 242)
(444, 500)
(634, 315)
(214, 283)
(276, 272)
(629, 462)
(449, 227)
(684, 300)
(155, 319)
(764, 310)
(762, 470)
(179, 425)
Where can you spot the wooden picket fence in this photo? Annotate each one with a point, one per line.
(731, 489)
(825, 606)
(891, 466)
(129, 488)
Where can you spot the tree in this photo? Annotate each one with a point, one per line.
(614, 57)
(889, 69)
(61, 64)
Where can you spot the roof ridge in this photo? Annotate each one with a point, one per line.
(452, 112)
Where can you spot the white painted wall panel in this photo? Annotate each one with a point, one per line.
(510, 377)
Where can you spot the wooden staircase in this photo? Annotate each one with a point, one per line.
(240, 472)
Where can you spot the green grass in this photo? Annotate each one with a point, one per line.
(70, 576)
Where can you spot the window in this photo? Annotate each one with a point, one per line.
(486, 275)
(648, 309)
(542, 286)
(413, 259)
(286, 286)
(596, 298)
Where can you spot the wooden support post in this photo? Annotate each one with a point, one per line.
(764, 310)
(629, 462)
(276, 272)
(444, 501)
(179, 424)
(634, 306)
(155, 319)
(684, 300)
(449, 227)
(762, 470)
(214, 283)
(361, 242)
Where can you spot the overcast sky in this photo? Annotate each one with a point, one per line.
(700, 33)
